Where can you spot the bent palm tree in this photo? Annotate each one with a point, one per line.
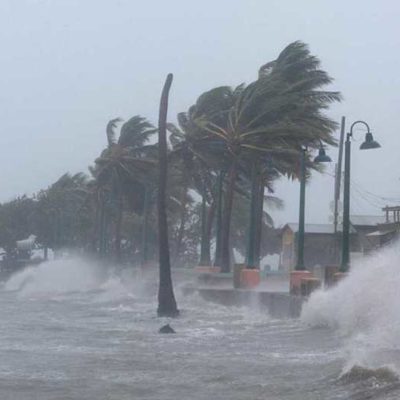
(195, 173)
(123, 163)
(274, 115)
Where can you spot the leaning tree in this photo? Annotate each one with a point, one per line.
(271, 117)
(167, 306)
(124, 163)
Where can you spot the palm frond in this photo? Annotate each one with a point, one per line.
(136, 132)
(110, 130)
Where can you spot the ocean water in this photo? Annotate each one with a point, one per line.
(72, 330)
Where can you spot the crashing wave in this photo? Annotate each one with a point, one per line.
(364, 310)
(358, 373)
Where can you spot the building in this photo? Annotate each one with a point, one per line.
(387, 230)
(322, 246)
(365, 225)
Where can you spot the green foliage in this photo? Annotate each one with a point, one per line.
(268, 121)
(57, 215)
(17, 221)
(273, 116)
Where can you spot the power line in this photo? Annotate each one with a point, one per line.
(375, 202)
(374, 195)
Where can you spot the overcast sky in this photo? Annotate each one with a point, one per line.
(68, 66)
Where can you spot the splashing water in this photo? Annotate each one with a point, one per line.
(364, 309)
(57, 276)
(66, 322)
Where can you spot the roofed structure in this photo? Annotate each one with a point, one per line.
(313, 228)
(367, 220)
(322, 245)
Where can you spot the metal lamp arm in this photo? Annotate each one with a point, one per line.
(358, 122)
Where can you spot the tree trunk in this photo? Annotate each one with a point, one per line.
(218, 226)
(118, 225)
(259, 224)
(95, 231)
(208, 233)
(181, 230)
(102, 233)
(226, 220)
(253, 213)
(57, 236)
(145, 225)
(166, 300)
(205, 259)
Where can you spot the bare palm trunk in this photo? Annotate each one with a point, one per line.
(226, 220)
(166, 300)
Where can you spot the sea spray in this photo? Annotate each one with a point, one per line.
(61, 277)
(58, 276)
(364, 309)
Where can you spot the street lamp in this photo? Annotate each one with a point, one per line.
(368, 144)
(320, 158)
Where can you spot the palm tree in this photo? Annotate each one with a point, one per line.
(16, 222)
(193, 171)
(60, 220)
(166, 299)
(124, 162)
(276, 114)
(267, 175)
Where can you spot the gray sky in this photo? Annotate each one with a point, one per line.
(68, 66)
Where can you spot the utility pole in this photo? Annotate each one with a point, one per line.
(338, 178)
(338, 175)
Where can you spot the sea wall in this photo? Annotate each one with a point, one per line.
(276, 304)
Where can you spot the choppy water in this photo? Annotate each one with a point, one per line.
(71, 331)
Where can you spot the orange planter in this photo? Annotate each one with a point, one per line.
(295, 281)
(249, 278)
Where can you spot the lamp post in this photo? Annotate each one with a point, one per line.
(368, 144)
(320, 158)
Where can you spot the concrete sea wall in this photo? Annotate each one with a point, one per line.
(276, 304)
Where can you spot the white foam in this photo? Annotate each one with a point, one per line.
(365, 309)
(57, 276)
